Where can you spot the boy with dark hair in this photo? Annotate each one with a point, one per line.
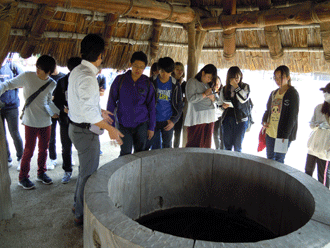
(61, 101)
(168, 104)
(37, 113)
(134, 97)
(86, 116)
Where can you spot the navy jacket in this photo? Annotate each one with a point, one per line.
(9, 99)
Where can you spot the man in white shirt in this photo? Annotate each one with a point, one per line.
(85, 114)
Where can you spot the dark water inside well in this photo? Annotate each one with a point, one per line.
(207, 224)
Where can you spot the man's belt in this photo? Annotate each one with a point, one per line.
(81, 125)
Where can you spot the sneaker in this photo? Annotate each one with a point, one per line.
(101, 153)
(19, 165)
(51, 165)
(44, 179)
(10, 164)
(26, 184)
(67, 177)
(79, 221)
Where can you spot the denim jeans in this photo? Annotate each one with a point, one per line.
(217, 134)
(161, 138)
(277, 156)
(52, 142)
(134, 137)
(11, 117)
(233, 133)
(177, 132)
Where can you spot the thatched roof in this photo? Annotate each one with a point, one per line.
(56, 28)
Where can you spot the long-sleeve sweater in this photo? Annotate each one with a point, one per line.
(38, 113)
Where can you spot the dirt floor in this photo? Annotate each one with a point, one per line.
(42, 216)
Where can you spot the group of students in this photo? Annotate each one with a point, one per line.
(144, 112)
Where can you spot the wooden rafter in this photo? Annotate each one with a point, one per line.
(110, 27)
(301, 14)
(272, 34)
(32, 41)
(146, 8)
(7, 16)
(156, 32)
(325, 36)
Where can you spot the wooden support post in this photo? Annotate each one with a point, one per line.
(272, 34)
(325, 36)
(6, 208)
(229, 36)
(192, 60)
(45, 15)
(200, 40)
(111, 22)
(154, 45)
(7, 16)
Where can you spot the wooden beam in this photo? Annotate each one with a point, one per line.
(7, 16)
(154, 45)
(134, 8)
(301, 14)
(229, 36)
(44, 16)
(272, 34)
(325, 36)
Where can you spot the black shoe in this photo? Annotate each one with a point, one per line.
(26, 184)
(44, 179)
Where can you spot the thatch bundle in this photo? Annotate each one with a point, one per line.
(62, 29)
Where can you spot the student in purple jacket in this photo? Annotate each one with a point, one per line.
(133, 95)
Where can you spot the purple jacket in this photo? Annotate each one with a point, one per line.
(135, 103)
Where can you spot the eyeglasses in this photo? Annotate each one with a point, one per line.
(138, 67)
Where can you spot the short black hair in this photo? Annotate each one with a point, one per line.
(166, 64)
(46, 63)
(208, 69)
(91, 47)
(73, 62)
(141, 56)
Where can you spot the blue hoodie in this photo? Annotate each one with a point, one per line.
(10, 98)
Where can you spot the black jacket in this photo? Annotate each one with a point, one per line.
(241, 111)
(288, 123)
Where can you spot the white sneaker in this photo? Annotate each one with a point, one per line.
(19, 165)
(10, 164)
(51, 165)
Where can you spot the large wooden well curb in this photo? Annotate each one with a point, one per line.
(286, 201)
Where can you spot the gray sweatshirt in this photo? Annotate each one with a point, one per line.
(38, 113)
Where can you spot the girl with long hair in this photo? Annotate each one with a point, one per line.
(319, 141)
(234, 102)
(200, 115)
(281, 116)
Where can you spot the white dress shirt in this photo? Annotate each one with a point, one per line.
(84, 95)
(38, 113)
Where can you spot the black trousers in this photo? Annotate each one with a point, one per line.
(66, 145)
(311, 161)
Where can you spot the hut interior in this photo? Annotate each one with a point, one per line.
(253, 34)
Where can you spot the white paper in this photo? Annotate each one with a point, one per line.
(281, 147)
(229, 103)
